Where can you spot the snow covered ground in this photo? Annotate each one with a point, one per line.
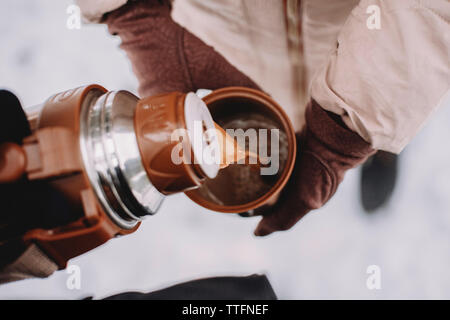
(324, 256)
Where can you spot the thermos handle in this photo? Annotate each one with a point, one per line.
(50, 151)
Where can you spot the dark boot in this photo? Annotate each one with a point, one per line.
(378, 178)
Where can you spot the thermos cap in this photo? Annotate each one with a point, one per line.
(170, 131)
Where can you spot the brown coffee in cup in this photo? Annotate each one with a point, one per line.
(243, 187)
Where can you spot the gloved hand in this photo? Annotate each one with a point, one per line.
(165, 56)
(326, 150)
(26, 205)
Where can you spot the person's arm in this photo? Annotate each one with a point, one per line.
(26, 205)
(376, 91)
(166, 57)
(385, 82)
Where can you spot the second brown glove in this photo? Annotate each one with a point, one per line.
(326, 150)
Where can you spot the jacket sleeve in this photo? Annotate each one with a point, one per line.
(389, 70)
(32, 263)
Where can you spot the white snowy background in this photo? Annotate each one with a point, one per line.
(325, 256)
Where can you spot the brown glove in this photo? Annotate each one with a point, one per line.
(26, 205)
(326, 150)
(165, 56)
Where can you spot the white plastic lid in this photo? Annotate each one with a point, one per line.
(202, 135)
